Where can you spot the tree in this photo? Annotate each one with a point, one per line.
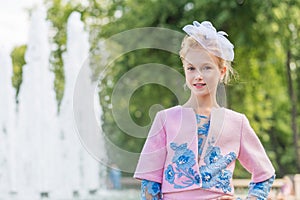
(265, 38)
(18, 61)
(58, 13)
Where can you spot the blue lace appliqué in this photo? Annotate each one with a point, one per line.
(183, 161)
(200, 149)
(202, 130)
(153, 188)
(214, 173)
(261, 190)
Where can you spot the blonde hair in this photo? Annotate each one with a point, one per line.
(189, 42)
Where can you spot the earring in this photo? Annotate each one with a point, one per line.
(185, 87)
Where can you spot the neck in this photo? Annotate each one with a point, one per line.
(201, 104)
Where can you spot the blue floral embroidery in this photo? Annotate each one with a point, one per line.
(203, 129)
(170, 174)
(214, 173)
(184, 160)
(153, 188)
(261, 190)
(214, 156)
(202, 132)
(200, 141)
(199, 117)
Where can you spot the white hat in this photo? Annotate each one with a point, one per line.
(214, 42)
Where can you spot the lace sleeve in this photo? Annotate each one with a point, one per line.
(261, 190)
(150, 190)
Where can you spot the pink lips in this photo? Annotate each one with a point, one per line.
(199, 85)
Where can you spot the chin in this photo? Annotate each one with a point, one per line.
(201, 94)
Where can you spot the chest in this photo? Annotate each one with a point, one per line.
(200, 134)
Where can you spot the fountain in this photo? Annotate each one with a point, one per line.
(80, 170)
(38, 126)
(41, 155)
(7, 126)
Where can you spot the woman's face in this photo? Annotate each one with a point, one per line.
(202, 72)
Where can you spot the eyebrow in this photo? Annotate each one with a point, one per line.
(206, 63)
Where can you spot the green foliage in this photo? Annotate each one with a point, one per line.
(141, 100)
(18, 61)
(58, 13)
(262, 32)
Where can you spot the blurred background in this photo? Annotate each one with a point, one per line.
(44, 44)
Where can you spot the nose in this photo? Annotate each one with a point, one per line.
(199, 75)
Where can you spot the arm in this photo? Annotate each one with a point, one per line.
(152, 159)
(260, 190)
(150, 190)
(254, 158)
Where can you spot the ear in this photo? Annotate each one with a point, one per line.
(223, 72)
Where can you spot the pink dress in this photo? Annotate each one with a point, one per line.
(170, 155)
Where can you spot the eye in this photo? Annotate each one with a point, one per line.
(190, 68)
(205, 68)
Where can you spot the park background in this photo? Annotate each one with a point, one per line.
(267, 59)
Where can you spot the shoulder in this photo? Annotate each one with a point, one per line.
(234, 115)
(170, 114)
(237, 117)
(171, 111)
(233, 112)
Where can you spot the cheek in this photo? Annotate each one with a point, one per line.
(188, 81)
(212, 79)
(190, 77)
(187, 75)
(214, 75)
